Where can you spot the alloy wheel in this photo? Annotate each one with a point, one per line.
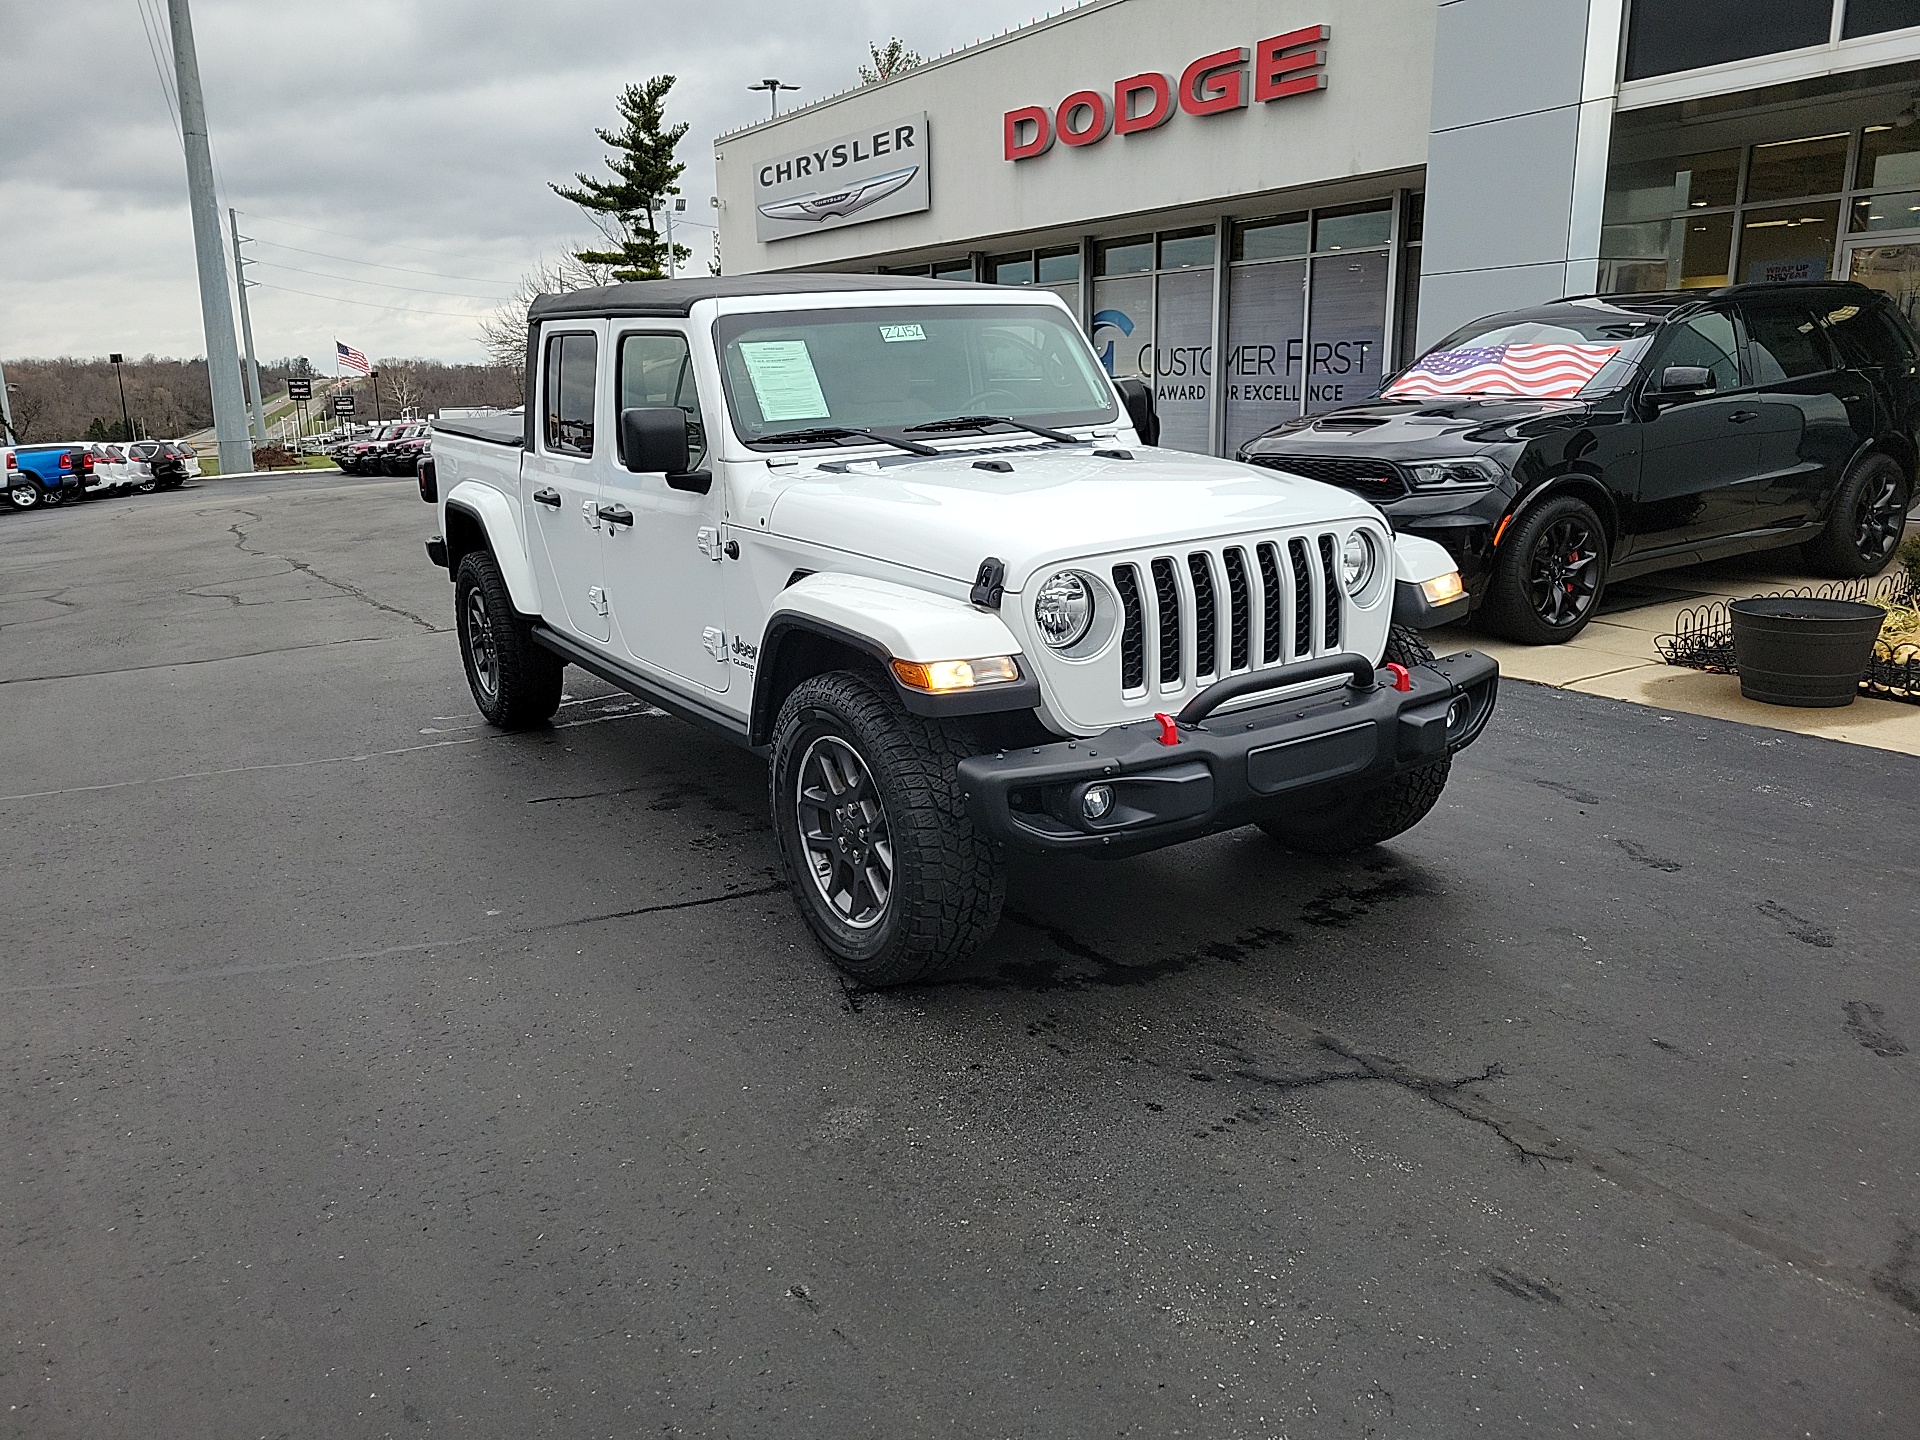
(1880, 521)
(24, 496)
(480, 646)
(843, 832)
(1563, 576)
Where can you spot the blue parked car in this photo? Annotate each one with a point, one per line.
(46, 474)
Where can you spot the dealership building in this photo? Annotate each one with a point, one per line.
(1262, 206)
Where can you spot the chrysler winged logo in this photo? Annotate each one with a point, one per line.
(845, 201)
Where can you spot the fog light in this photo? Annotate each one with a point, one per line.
(1457, 713)
(1096, 802)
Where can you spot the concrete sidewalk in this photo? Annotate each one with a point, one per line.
(1615, 655)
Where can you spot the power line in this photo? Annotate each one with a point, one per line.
(343, 235)
(154, 48)
(376, 265)
(382, 284)
(368, 304)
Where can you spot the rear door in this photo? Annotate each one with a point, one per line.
(1815, 412)
(560, 486)
(1697, 453)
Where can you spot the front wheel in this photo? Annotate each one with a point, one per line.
(1549, 574)
(514, 681)
(1869, 516)
(888, 870)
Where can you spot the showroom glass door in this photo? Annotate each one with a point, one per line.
(1891, 266)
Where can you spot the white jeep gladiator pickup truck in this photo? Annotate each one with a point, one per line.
(908, 540)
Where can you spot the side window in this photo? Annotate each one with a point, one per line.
(1870, 335)
(658, 370)
(568, 393)
(1706, 340)
(1785, 343)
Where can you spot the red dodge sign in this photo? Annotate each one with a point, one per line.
(1283, 65)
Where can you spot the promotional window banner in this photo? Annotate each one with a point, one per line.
(1123, 326)
(1266, 347)
(1345, 344)
(870, 175)
(1183, 358)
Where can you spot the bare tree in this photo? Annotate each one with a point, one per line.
(503, 334)
(402, 379)
(889, 60)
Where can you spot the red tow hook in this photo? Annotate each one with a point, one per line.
(1402, 677)
(1169, 732)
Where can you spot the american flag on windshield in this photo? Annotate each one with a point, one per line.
(345, 357)
(1548, 372)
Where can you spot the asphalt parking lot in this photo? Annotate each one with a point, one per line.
(371, 1073)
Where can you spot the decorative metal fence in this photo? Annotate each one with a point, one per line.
(1702, 638)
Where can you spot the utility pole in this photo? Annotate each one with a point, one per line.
(125, 422)
(246, 330)
(216, 310)
(672, 203)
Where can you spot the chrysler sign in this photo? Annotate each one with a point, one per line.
(877, 173)
(1276, 68)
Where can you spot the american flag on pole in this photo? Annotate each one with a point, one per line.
(345, 357)
(1547, 372)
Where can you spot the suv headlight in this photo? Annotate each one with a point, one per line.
(1473, 472)
(1063, 609)
(1358, 559)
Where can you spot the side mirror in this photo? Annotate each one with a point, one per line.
(1685, 380)
(653, 439)
(1137, 396)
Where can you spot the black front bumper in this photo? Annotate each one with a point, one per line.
(1233, 768)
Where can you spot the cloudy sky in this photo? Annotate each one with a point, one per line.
(394, 152)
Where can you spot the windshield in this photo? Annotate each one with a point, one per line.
(1560, 357)
(890, 368)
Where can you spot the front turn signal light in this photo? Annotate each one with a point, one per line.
(1440, 589)
(943, 677)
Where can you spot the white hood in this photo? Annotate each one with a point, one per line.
(945, 516)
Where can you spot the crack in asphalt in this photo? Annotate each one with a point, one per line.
(206, 659)
(240, 543)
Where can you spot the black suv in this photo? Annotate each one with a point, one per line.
(1602, 437)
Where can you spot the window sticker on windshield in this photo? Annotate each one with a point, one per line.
(1546, 372)
(893, 334)
(784, 381)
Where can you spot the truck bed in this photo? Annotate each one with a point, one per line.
(495, 429)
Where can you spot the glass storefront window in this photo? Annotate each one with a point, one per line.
(1789, 242)
(1123, 257)
(1798, 167)
(1011, 269)
(1688, 252)
(1873, 17)
(1266, 337)
(1352, 227)
(1888, 212)
(1183, 358)
(1123, 326)
(1889, 156)
(1055, 267)
(1668, 36)
(1649, 189)
(1279, 238)
(1186, 249)
(961, 269)
(1349, 319)
(1705, 247)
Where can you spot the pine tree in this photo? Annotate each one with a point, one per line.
(889, 60)
(625, 208)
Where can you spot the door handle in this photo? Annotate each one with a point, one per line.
(1741, 417)
(547, 497)
(616, 514)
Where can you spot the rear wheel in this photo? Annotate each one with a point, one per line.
(888, 871)
(23, 497)
(1869, 516)
(514, 681)
(1549, 573)
(1338, 821)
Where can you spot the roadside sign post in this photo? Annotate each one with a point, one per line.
(300, 391)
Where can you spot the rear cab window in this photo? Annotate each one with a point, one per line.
(566, 391)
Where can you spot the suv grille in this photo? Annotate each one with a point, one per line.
(1374, 480)
(1194, 616)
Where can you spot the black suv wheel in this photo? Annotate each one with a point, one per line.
(1549, 573)
(887, 869)
(514, 681)
(1869, 515)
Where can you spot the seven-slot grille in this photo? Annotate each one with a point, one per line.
(1374, 480)
(1191, 617)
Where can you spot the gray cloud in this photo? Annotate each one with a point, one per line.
(421, 132)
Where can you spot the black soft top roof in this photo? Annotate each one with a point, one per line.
(677, 297)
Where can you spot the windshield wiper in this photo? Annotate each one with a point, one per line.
(842, 432)
(980, 422)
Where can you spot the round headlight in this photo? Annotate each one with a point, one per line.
(1356, 562)
(1063, 610)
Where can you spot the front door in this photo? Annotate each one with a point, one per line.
(1697, 454)
(560, 487)
(664, 570)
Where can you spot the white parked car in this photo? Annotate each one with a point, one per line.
(110, 474)
(908, 540)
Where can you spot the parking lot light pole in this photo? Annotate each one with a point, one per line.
(126, 423)
(216, 309)
(7, 437)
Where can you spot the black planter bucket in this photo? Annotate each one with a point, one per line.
(1792, 651)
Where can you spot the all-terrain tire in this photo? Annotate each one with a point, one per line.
(1869, 515)
(1341, 821)
(515, 683)
(946, 882)
(1527, 599)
